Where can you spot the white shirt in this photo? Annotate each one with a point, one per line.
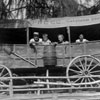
(78, 41)
(32, 41)
(64, 42)
(46, 42)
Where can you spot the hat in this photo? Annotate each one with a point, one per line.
(36, 33)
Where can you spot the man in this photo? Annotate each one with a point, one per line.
(45, 40)
(35, 40)
(61, 39)
(81, 39)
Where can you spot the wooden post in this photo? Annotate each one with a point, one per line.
(11, 87)
(27, 39)
(38, 91)
(27, 36)
(69, 38)
(47, 74)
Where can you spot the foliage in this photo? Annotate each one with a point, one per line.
(22, 9)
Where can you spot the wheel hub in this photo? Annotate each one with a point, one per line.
(86, 72)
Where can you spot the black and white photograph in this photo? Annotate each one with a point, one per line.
(49, 49)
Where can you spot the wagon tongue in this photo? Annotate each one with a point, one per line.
(9, 51)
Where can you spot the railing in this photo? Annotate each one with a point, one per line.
(45, 85)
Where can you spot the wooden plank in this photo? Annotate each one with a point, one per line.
(31, 53)
(7, 61)
(39, 53)
(21, 49)
(20, 64)
(40, 63)
(60, 62)
(77, 49)
(60, 51)
(93, 48)
(67, 61)
(2, 52)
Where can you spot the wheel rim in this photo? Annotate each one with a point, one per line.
(4, 72)
(83, 69)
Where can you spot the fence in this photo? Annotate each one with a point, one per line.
(46, 85)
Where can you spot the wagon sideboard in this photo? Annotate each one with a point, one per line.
(59, 55)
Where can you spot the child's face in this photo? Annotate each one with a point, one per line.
(60, 38)
(81, 37)
(45, 37)
(36, 38)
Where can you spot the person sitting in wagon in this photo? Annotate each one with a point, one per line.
(45, 40)
(61, 39)
(35, 40)
(81, 39)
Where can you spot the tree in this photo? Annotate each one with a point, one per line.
(14, 9)
(69, 8)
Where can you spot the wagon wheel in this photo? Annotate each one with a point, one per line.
(84, 69)
(4, 72)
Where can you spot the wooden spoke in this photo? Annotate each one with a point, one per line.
(7, 74)
(77, 72)
(90, 64)
(85, 82)
(77, 80)
(77, 67)
(82, 80)
(81, 64)
(98, 71)
(92, 79)
(2, 83)
(85, 58)
(2, 72)
(94, 67)
(89, 81)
